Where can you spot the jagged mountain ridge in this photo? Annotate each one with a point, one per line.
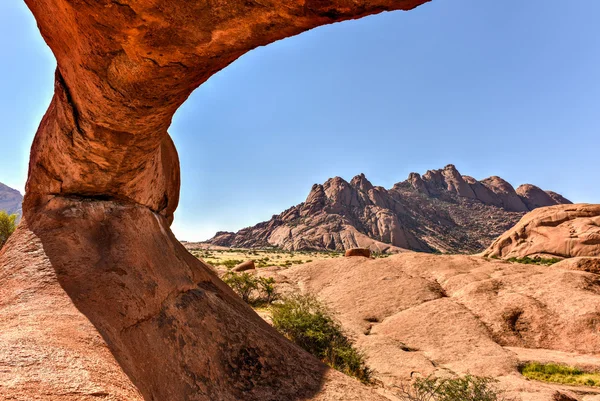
(441, 211)
(10, 200)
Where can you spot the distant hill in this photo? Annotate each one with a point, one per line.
(441, 211)
(10, 200)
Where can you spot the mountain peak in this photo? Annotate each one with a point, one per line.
(440, 210)
(361, 183)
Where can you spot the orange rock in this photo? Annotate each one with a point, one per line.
(247, 265)
(416, 314)
(556, 231)
(98, 298)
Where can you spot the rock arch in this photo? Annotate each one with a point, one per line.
(98, 298)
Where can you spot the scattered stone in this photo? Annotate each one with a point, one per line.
(244, 266)
(358, 252)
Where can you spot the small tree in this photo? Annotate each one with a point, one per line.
(252, 289)
(243, 284)
(467, 388)
(7, 226)
(267, 288)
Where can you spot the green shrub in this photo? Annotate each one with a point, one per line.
(266, 286)
(536, 260)
(309, 324)
(8, 224)
(252, 289)
(554, 373)
(467, 388)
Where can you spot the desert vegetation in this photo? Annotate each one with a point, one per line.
(8, 223)
(467, 388)
(304, 320)
(261, 257)
(307, 322)
(252, 289)
(536, 260)
(555, 373)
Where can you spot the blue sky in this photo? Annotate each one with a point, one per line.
(505, 88)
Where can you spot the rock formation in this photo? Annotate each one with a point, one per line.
(10, 200)
(364, 252)
(414, 314)
(242, 267)
(439, 211)
(562, 231)
(98, 299)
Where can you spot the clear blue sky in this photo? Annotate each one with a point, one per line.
(509, 88)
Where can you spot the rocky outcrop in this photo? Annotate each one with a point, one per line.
(10, 200)
(453, 315)
(563, 231)
(123, 311)
(439, 211)
(84, 295)
(505, 194)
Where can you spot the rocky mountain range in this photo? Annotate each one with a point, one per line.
(10, 200)
(440, 211)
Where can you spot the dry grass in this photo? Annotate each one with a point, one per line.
(261, 257)
(562, 374)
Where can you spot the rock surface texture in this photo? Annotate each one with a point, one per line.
(563, 231)
(98, 299)
(439, 211)
(415, 314)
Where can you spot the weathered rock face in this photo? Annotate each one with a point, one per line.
(98, 298)
(560, 231)
(143, 318)
(415, 314)
(442, 210)
(10, 200)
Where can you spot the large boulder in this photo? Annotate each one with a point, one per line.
(563, 231)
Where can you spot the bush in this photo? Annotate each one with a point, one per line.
(8, 224)
(467, 388)
(536, 260)
(309, 324)
(252, 289)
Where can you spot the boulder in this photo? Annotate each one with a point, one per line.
(244, 266)
(365, 252)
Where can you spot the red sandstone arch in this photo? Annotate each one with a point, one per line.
(94, 285)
